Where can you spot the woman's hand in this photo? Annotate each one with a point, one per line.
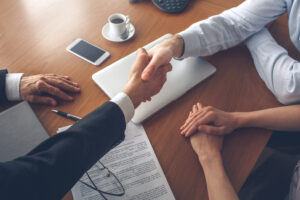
(209, 120)
(207, 147)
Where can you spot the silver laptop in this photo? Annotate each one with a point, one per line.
(185, 74)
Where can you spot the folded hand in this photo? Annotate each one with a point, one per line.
(208, 120)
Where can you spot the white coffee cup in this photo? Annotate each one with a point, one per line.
(118, 24)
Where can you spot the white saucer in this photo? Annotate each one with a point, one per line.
(106, 34)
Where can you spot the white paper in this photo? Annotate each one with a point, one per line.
(136, 166)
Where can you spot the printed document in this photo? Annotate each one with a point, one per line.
(135, 164)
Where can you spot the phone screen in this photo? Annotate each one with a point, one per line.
(87, 51)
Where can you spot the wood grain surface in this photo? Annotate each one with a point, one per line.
(35, 33)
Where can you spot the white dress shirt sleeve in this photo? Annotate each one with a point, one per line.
(12, 86)
(280, 72)
(230, 27)
(126, 105)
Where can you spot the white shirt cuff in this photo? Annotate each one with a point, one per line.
(191, 43)
(12, 86)
(126, 105)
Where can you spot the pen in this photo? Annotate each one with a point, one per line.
(66, 115)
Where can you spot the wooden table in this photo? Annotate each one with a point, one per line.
(35, 33)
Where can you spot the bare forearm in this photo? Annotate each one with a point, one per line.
(282, 118)
(218, 183)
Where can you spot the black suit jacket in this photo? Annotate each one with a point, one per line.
(3, 97)
(53, 167)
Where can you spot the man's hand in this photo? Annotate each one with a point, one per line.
(139, 90)
(161, 54)
(46, 89)
(209, 120)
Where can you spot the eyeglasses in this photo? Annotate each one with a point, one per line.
(100, 176)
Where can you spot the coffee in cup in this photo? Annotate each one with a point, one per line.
(118, 25)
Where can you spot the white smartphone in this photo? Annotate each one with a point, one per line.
(88, 51)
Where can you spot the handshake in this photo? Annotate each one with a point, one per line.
(148, 73)
(140, 90)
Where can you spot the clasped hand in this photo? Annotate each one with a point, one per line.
(206, 126)
(209, 120)
(139, 90)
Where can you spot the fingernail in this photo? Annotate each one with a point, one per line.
(53, 103)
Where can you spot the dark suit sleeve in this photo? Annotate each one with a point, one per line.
(3, 98)
(53, 167)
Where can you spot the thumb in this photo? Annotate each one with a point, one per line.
(151, 68)
(163, 70)
(142, 60)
